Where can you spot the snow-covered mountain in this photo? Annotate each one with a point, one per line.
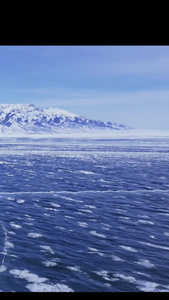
(27, 118)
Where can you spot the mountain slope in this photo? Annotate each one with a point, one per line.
(28, 118)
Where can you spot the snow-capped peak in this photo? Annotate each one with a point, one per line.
(31, 119)
(60, 112)
(17, 107)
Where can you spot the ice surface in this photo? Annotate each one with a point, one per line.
(124, 239)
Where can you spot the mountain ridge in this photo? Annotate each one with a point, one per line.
(31, 119)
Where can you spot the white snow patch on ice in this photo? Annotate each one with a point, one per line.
(11, 232)
(47, 248)
(145, 263)
(145, 286)
(82, 224)
(105, 275)
(166, 233)
(48, 263)
(15, 225)
(2, 268)
(116, 258)
(34, 235)
(75, 268)
(153, 237)
(9, 245)
(47, 287)
(20, 201)
(11, 199)
(37, 283)
(25, 274)
(130, 279)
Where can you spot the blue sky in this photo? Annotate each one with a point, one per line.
(124, 84)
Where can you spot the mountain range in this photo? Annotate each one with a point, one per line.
(27, 118)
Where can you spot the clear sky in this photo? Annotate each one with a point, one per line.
(123, 84)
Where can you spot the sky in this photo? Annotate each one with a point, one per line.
(123, 84)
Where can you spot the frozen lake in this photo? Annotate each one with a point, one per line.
(84, 215)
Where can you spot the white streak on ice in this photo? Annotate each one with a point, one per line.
(128, 248)
(154, 246)
(116, 258)
(86, 210)
(93, 250)
(146, 222)
(6, 246)
(76, 268)
(86, 172)
(93, 232)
